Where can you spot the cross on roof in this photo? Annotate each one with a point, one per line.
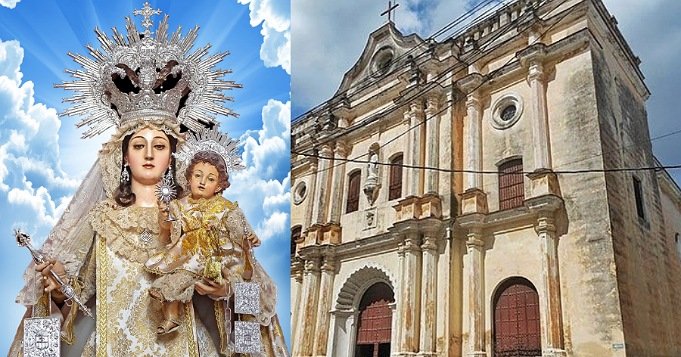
(391, 7)
(147, 12)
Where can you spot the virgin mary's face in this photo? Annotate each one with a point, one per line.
(148, 156)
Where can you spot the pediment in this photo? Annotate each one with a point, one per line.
(385, 48)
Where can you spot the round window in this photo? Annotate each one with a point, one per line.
(382, 61)
(300, 193)
(506, 111)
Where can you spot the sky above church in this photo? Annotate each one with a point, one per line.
(329, 36)
(43, 159)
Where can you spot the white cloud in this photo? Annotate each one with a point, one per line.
(29, 133)
(9, 3)
(11, 55)
(40, 201)
(260, 189)
(274, 15)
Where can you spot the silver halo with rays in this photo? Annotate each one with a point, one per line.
(145, 67)
(210, 140)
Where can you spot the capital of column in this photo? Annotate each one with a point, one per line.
(470, 83)
(430, 243)
(534, 54)
(313, 162)
(329, 264)
(536, 72)
(432, 105)
(311, 266)
(326, 151)
(342, 149)
(473, 101)
(545, 224)
(417, 112)
(412, 242)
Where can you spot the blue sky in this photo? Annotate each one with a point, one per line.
(43, 159)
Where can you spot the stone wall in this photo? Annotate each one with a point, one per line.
(646, 283)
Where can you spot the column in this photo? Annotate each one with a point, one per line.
(396, 345)
(308, 316)
(296, 290)
(540, 125)
(323, 184)
(433, 143)
(411, 293)
(550, 305)
(473, 148)
(429, 293)
(416, 137)
(328, 273)
(476, 291)
(310, 206)
(341, 153)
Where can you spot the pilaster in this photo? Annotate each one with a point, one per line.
(429, 247)
(475, 245)
(410, 292)
(416, 138)
(313, 182)
(328, 273)
(310, 298)
(550, 309)
(532, 58)
(341, 153)
(432, 143)
(323, 184)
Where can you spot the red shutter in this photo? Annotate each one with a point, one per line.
(395, 187)
(511, 184)
(353, 193)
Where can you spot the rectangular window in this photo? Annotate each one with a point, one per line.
(638, 194)
(352, 203)
(395, 189)
(511, 184)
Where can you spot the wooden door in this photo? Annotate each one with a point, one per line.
(516, 320)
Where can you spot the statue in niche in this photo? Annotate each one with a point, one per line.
(372, 183)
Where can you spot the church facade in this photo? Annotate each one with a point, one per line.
(483, 196)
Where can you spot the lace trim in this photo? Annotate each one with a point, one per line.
(122, 227)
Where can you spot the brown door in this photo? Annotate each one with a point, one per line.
(375, 322)
(516, 320)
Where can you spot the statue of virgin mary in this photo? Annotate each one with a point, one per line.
(152, 87)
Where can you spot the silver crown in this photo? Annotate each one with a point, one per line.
(140, 77)
(210, 140)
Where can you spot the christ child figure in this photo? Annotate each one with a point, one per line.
(206, 243)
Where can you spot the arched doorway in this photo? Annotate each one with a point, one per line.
(516, 319)
(375, 322)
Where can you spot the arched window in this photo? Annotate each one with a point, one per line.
(352, 203)
(511, 187)
(395, 187)
(295, 237)
(375, 322)
(516, 319)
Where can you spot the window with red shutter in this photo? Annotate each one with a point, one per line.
(395, 187)
(511, 184)
(352, 203)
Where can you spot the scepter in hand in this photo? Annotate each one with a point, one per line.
(24, 240)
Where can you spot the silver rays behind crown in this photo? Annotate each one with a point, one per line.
(210, 140)
(140, 77)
